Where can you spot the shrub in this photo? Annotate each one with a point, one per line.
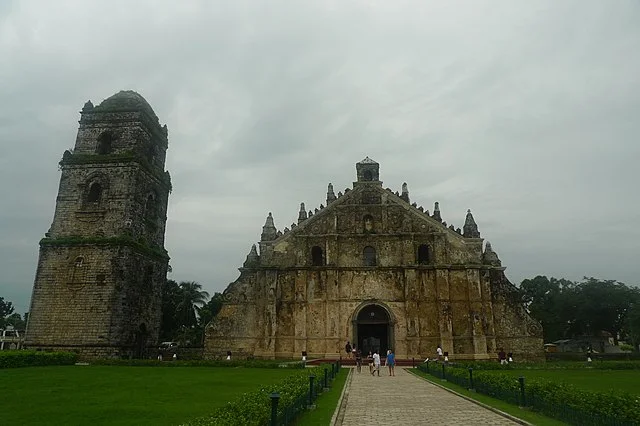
(562, 401)
(254, 408)
(13, 359)
(201, 363)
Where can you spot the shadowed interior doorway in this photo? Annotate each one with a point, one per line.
(373, 330)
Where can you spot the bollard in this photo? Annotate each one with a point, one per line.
(413, 363)
(427, 366)
(471, 379)
(326, 386)
(311, 378)
(523, 401)
(443, 377)
(275, 397)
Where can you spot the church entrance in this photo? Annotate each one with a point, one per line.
(373, 330)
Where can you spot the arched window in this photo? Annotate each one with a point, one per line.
(368, 223)
(423, 254)
(104, 144)
(317, 258)
(95, 193)
(369, 256)
(367, 175)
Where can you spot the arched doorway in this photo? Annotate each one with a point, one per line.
(373, 329)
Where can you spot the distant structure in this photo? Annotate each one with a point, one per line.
(374, 269)
(98, 285)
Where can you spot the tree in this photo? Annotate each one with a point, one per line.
(192, 297)
(210, 310)
(15, 320)
(6, 309)
(171, 296)
(549, 301)
(604, 305)
(633, 324)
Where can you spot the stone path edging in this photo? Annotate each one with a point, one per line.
(483, 405)
(338, 415)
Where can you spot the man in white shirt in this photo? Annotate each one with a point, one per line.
(439, 351)
(376, 363)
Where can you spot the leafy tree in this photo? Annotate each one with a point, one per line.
(633, 324)
(171, 296)
(549, 301)
(6, 309)
(603, 305)
(210, 310)
(16, 321)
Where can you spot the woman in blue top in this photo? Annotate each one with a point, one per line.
(391, 362)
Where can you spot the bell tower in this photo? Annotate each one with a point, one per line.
(98, 285)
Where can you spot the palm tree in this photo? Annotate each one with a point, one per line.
(192, 297)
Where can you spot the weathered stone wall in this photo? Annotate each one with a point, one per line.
(459, 298)
(102, 263)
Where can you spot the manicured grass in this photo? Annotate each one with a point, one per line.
(326, 404)
(587, 379)
(526, 415)
(98, 395)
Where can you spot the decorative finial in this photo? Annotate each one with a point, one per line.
(269, 231)
(405, 192)
(302, 215)
(88, 106)
(470, 229)
(331, 196)
(252, 258)
(436, 212)
(490, 257)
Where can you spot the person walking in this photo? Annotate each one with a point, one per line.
(439, 352)
(370, 362)
(358, 361)
(391, 363)
(376, 363)
(347, 349)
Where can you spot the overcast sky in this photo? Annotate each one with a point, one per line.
(526, 112)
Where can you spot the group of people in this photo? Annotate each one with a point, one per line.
(373, 360)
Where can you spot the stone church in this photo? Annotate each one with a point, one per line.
(102, 264)
(374, 269)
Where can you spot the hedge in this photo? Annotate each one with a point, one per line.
(13, 359)
(566, 365)
(254, 408)
(201, 363)
(558, 400)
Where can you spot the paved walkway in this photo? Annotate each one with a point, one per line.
(408, 400)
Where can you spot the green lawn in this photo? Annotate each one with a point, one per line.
(587, 379)
(97, 395)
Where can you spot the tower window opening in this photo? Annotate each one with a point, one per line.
(95, 193)
(369, 256)
(317, 257)
(151, 208)
(423, 254)
(367, 175)
(105, 145)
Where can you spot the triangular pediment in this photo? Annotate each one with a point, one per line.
(403, 216)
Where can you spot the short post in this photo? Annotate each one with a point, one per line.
(443, 376)
(427, 366)
(311, 378)
(413, 363)
(275, 397)
(471, 379)
(326, 386)
(523, 401)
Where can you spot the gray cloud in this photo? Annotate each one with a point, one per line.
(525, 113)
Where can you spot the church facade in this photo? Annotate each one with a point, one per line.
(374, 269)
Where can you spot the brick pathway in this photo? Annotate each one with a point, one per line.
(408, 400)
